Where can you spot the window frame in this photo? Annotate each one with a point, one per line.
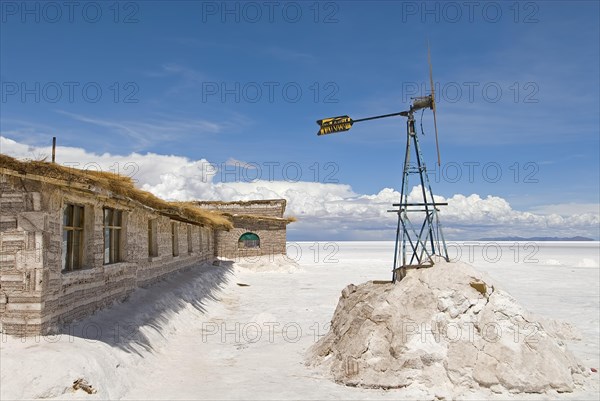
(175, 239)
(200, 239)
(190, 241)
(254, 243)
(68, 255)
(153, 238)
(115, 235)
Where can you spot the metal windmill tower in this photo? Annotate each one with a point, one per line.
(419, 236)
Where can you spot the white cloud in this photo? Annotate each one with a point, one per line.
(325, 211)
(565, 209)
(241, 164)
(146, 169)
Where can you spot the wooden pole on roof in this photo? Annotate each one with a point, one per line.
(53, 149)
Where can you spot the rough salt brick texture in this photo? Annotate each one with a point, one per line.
(272, 235)
(36, 296)
(268, 208)
(271, 231)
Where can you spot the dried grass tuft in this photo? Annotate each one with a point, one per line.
(117, 184)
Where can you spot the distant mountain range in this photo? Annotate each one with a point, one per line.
(537, 239)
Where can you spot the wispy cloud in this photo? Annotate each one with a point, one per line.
(240, 164)
(200, 43)
(185, 77)
(285, 54)
(151, 130)
(26, 131)
(186, 73)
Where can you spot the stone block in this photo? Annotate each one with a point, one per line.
(8, 223)
(31, 221)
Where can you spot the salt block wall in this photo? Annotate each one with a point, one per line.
(272, 234)
(36, 296)
(267, 208)
(22, 224)
(258, 217)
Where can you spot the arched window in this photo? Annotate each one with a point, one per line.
(249, 240)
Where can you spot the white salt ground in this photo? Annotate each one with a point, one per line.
(200, 335)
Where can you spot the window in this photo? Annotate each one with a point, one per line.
(72, 246)
(249, 240)
(189, 239)
(205, 239)
(152, 238)
(201, 237)
(175, 238)
(113, 223)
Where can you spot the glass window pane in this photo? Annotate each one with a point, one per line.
(76, 250)
(249, 240)
(152, 240)
(107, 217)
(69, 250)
(65, 243)
(68, 215)
(77, 216)
(249, 236)
(106, 245)
(116, 242)
(174, 239)
(117, 220)
(150, 251)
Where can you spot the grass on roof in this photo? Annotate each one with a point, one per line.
(257, 217)
(245, 202)
(117, 184)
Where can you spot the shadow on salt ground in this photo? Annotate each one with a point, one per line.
(141, 321)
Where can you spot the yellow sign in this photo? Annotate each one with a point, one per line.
(334, 124)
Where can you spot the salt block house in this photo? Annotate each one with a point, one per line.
(259, 227)
(74, 241)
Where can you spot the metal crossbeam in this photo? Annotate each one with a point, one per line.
(421, 204)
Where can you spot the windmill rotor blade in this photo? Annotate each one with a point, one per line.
(430, 74)
(437, 145)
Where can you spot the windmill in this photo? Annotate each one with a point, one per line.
(419, 236)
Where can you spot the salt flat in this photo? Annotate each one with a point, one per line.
(187, 338)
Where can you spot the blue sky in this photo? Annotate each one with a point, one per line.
(518, 94)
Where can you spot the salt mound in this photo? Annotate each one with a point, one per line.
(267, 263)
(447, 329)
